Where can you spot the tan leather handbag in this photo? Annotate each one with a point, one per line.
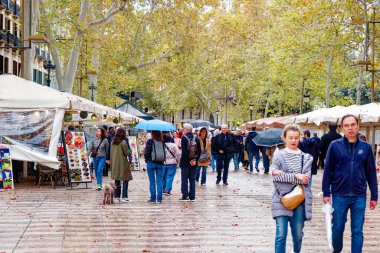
(293, 198)
(296, 196)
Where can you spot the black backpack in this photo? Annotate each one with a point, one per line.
(158, 151)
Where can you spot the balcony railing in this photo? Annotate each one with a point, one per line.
(17, 42)
(4, 4)
(3, 35)
(17, 11)
(10, 38)
(15, 8)
(11, 5)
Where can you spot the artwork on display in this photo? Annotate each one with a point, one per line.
(31, 129)
(378, 158)
(135, 165)
(6, 174)
(142, 139)
(76, 157)
(377, 137)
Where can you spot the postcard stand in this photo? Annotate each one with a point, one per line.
(6, 173)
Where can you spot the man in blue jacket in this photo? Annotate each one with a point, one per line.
(349, 166)
(252, 150)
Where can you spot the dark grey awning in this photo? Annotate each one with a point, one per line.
(131, 109)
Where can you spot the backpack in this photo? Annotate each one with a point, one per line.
(158, 151)
(192, 147)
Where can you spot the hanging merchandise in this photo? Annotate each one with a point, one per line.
(68, 117)
(76, 157)
(6, 174)
(93, 116)
(115, 120)
(83, 114)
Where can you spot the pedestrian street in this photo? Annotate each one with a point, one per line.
(233, 218)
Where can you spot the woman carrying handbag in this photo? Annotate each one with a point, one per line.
(291, 170)
(205, 157)
(99, 148)
(120, 166)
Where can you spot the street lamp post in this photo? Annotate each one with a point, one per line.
(49, 66)
(217, 115)
(367, 62)
(92, 87)
(306, 99)
(251, 110)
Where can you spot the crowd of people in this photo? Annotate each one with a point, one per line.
(348, 161)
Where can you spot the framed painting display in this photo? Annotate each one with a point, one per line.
(135, 165)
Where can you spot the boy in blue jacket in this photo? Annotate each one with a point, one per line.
(349, 166)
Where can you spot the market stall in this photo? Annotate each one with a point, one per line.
(271, 122)
(31, 118)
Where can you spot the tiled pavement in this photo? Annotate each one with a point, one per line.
(233, 218)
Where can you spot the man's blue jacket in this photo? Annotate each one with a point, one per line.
(250, 146)
(346, 172)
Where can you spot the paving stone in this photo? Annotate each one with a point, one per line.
(236, 218)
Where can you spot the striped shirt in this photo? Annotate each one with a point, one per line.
(292, 160)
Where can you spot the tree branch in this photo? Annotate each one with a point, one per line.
(73, 60)
(152, 62)
(110, 13)
(52, 47)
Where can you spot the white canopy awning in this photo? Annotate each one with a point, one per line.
(368, 113)
(23, 97)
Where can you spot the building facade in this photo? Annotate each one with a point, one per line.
(10, 34)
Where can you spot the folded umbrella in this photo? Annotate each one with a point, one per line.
(155, 125)
(268, 138)
(328, 210)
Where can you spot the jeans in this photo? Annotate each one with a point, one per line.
(188, 181)
(98, 169)
(118, 189)
(310, 181)
(357, 209)
(236, 160)
(296, 225)
(256, 154)
(213, 159)
(155, 175)
(265, 160)
(241, 156)
(168, 177)
(222, 163)
(204, 171)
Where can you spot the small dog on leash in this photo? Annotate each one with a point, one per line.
(109, 189)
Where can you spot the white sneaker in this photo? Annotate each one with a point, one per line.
(124, 200)
(116, 200)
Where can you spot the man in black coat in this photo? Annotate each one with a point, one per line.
(310, 146)
(224, 144)
(188, 165)
(328, 138)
